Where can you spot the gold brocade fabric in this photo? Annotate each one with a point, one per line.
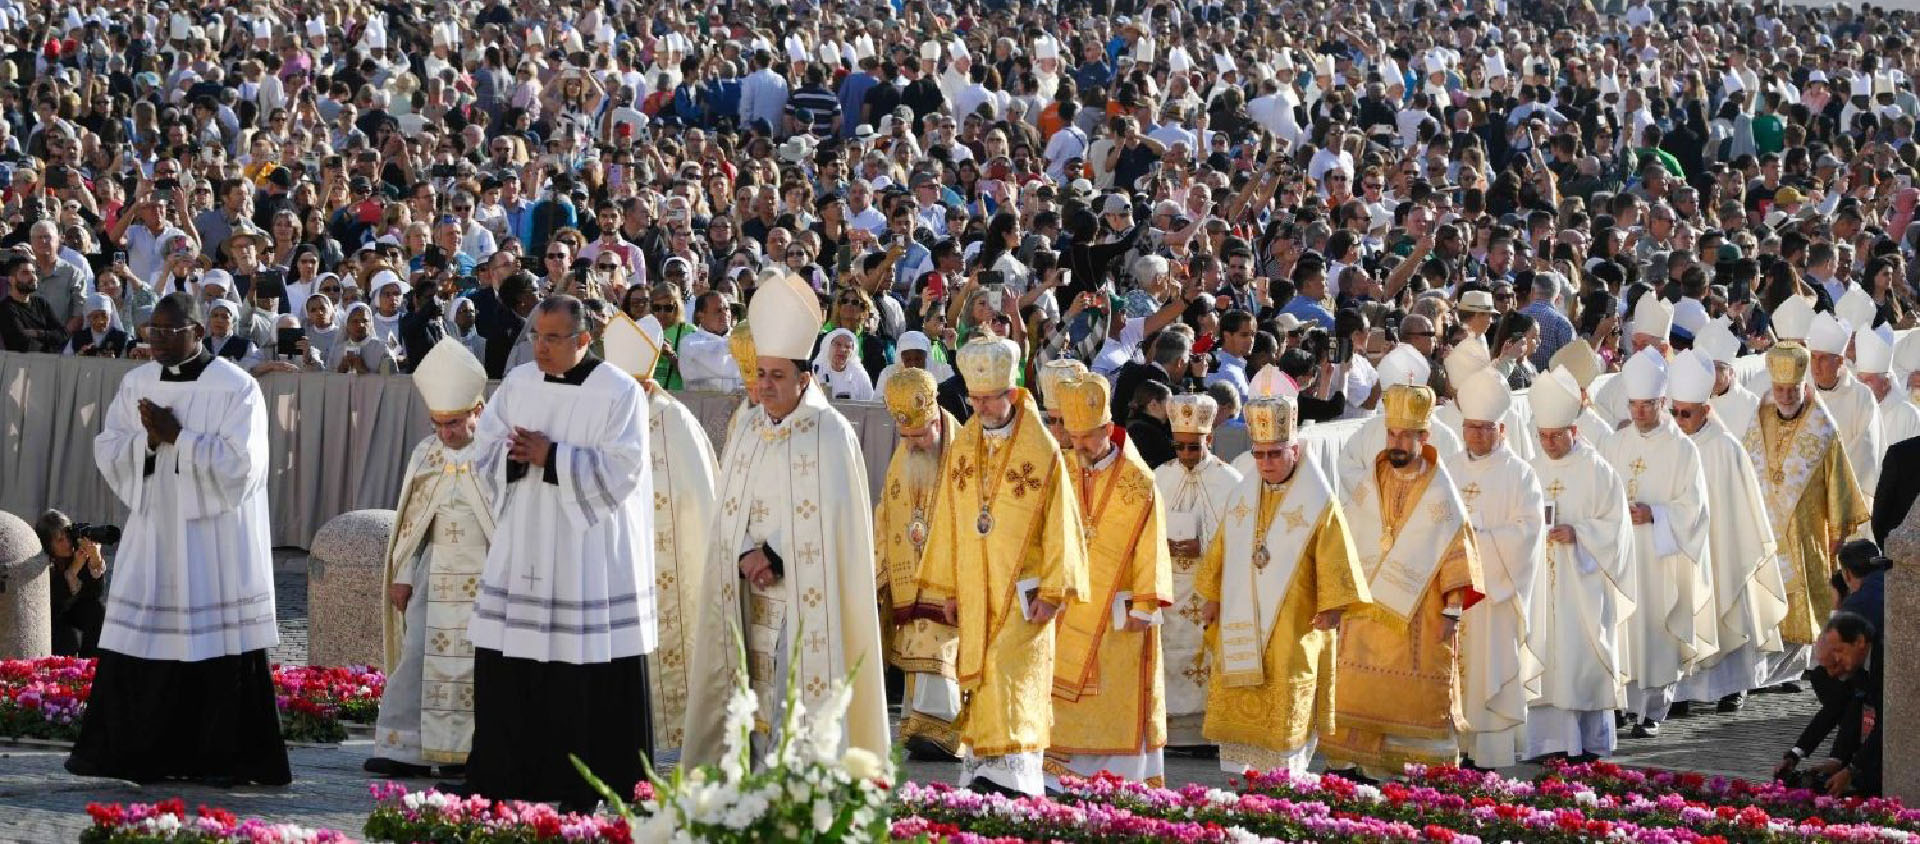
(901, 528)
(1120, 707)
(1808, 527)
(1297, 698)
(1006, 664)
(1400, 679)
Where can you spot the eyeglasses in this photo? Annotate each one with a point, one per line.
(1189, 447)
(606, 268)
(159, 332)
(1373, 186)
(556, 256)
(661, 307)
(1274, 454)
(556, 339)
(1680, 413)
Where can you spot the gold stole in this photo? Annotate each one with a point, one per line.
(1401, 539)
(1117, 506)
(1787, 452)
(1247, 615)
(429, 480)
(901, 528)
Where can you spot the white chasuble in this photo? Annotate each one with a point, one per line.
(1584, 592)
(798, 487)
(683, 504)
(1899, 420)
(1499, 674)
(1365, 444)
(1674, 629)
(1196, 502)
(1516, 419)
(1735, 408)
(1851, 405)
(569, 576)
(1750, 594)
(193, 578)
(439, 547)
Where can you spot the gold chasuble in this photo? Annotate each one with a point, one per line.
(1812, 500)
(918, 639)
(1399, 696)
(1282, 556)
(1116, 706)
(1006, 529)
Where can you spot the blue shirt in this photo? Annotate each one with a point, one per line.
(1555, 332)
(1232, 371)
(853, 94)
(1309, 309)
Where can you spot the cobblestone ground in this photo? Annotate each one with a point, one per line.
(40, 802)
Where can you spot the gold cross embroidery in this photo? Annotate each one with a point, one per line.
(1295, 520)
(757, 513)
(805, 465)
(1471, 491)
(815, 641)
(453, 531)
(1240, 511)
(1023, 480)
(1554, 489)
(1638, 465)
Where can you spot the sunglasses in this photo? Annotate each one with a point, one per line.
(556, 256)
(1188, 447)
(661, 307)
(606, 268)
(1687, 414)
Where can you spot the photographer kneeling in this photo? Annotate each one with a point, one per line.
(1848, 680)
(77, 580)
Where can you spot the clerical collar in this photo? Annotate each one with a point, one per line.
(577, 375)
(189, 369)
(1002, 430)
(1113, 453)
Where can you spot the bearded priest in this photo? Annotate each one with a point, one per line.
(1403, 364)
(1113, 717)
(1583, 595)
(1005, 554)
(919, 640)
(1277, 577)
(683, 501)
(1812, 499)
(1194, 487)
(790, 565)
(1399, 700)
(1498, 673)
(1674, 630)
(1749, 596)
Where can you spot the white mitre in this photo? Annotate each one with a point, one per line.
(450, 379)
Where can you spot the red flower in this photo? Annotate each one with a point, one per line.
(172, 806)
(1436, 832)
(1753, 816)
(106, 814)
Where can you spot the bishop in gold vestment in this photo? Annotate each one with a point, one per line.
(919, 640)
(1811, 497)
(1114, 716)
(1276, 578)
(1004, 554)
(1399, 675)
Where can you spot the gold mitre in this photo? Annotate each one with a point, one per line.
(1054, 374)
(912, 398)
(1409, 407)
(740, 342)
(1084, 403)
(988, 365)
(1787, 363)
(1192, 413)
(1272, 419)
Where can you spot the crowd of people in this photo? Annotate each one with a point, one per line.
(1153, 220)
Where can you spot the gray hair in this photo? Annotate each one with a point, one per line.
(573, 308)
(1171, 348)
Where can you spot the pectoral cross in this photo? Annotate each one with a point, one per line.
(1638, 465)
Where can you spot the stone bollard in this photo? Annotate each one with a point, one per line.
(346, 588)
(26, 608)
(1902, 689)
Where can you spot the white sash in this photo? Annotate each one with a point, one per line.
(1398, 572)
(1809, 449)
(1247, 614)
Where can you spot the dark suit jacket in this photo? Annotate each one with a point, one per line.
(953, 398)
(1153, 438)
(506, 332)
(1898, 487)
(1129, 378)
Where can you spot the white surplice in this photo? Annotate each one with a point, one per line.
(1582, 598)
(1365, 444)
(683, 501)
(1735, 408)
(193, 578)
(1196, 502)
(1851, 405)
(1675, 629)
(1899, 419)
(1750, 595)
(569, 576)
(1498, 673)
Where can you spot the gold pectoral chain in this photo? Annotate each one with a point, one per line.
(989, 481)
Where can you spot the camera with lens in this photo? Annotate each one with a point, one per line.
(98, 534)
(1806, 778)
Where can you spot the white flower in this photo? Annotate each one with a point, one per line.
(1586, 798)
(1370, 794)
(1221, 797)
(822, 815)
(861, 764)
(1895, 834)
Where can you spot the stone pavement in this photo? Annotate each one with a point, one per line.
(40, 802)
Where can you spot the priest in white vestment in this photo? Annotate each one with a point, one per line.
(1461, 363)
(1585, 366)
(1849, 402)
(681, 458)
(1733, 404)
(182, 688)
(1792, 323)
(1403, 364)
(1900, 407)
(1750, 595)
(1873, 366)
(1498, 673)
(1652, 322)
(1674, 630)
(790, 565)
(435, 556)
(566, 612)
(1194, 488)
(706, 358)
(1583, 594)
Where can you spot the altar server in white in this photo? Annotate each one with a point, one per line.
(182, 688)
(1749, 594)
(1674, 629)
(1194, 488)
(1498, 673)
(1584, 592)
(565, 614)
(1849, 402)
